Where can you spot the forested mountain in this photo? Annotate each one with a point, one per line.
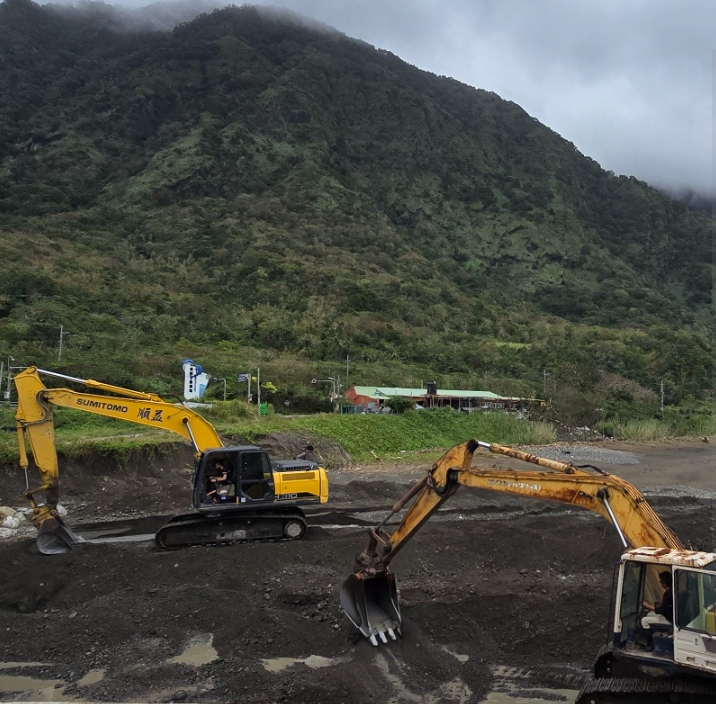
(699, 200)
(250, 187)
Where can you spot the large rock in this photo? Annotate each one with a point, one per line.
(10, 522)
(6, 511)
(6, 533)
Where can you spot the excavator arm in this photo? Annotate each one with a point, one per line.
(369, 596)
(35, 425)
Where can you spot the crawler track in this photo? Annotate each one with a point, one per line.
(642, 690)
(226, 529)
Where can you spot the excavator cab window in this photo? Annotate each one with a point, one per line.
(696, 601)
(219, 479)
(255, 477)
(641, 584)
(630, 606)
(653, 590)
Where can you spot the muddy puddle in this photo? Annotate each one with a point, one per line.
(27, 686)
(92, 677)
(199, 651)
(315, 662)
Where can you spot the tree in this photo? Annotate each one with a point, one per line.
(400, 404)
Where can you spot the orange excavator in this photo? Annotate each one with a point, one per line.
(676, 661)
(238, 493)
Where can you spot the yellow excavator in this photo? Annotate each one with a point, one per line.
(238, 493)
(676, 658)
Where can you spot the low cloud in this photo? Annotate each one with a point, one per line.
(629, 83)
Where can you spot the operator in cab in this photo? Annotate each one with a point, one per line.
(218, 475)
(662, 612)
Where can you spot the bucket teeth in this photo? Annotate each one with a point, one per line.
(371, 604)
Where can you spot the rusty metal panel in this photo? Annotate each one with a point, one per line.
(676, 558)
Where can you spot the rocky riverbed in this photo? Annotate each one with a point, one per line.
(503, 598)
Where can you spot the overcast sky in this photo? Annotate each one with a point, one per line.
(630, 82)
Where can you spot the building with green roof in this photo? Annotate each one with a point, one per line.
(373, 398)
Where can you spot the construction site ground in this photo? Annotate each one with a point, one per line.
(504, 599)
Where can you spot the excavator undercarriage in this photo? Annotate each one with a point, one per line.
(192, 529)
(647, 690)
(248, 526)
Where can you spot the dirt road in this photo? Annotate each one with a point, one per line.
(501, 597)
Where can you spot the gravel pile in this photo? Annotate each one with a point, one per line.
(585, 453)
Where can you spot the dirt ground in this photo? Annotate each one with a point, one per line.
(495, 589)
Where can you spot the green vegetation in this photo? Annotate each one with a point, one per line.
(688, 421)
(407, 437)
(81, 434)
(249, 191)
(369, 437)
(365, 437)
(656, 430)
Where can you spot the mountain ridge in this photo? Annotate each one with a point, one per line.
(249, 180)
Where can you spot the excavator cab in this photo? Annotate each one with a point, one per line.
(685, 635)
(233, 475)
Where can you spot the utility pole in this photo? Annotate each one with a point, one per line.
(258, 387)
(217, 378)
(348, 357)
(544, 382)
(333, 395)
(62, 337)
(9, 377)
(662, 395)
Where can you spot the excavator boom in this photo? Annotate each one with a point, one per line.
(35, 425)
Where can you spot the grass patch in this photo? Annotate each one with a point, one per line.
(365, 436)
(657, 430)
(76, 444)
(697, 420)
(78, 433)
(119, 447)
(644, 430)
(407, 437)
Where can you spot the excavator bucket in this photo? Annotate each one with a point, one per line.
(54, 536)
(371, 603)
